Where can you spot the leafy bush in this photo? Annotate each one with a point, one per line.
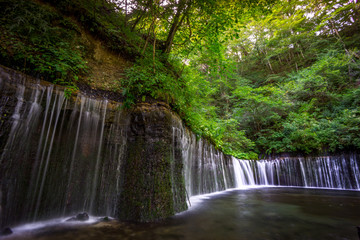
(41, 42)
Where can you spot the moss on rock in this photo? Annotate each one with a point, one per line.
(150, 168)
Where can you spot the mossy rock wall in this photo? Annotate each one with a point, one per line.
(153, 185)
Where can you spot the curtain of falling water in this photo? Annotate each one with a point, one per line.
(338, 172)
(206, 169)
(60, 157)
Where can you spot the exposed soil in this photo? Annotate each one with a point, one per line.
(105, 68)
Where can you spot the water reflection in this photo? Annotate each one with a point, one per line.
(266, 213)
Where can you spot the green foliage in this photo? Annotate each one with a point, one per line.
(70, 88)
(252, 77)
(323, 115)
(286, 80)
(103, 20)
(40, 42)
(148, 78)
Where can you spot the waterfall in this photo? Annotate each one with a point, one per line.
(243, 174)
(206, 169)
(58, 156)
(337, 172)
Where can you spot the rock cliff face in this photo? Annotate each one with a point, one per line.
(152, 177)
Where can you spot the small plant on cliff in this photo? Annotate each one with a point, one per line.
(151, 78)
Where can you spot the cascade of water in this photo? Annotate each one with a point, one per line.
(189, 152)
(38, 164)
(206, 169)
(240, 178)
(58, 103)
(355, 171)
(244, 174)
(85, 155)
(98, 159)
(16, 118)
(262, 173)
(68, 154)
(75, 144)
(223, 172)
(340, 172)
(176, 188)
(303, 172)
(200, 169)
(114, 152)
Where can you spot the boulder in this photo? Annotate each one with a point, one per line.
(6, 231)
(81, 217)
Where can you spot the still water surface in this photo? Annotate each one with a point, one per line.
(249, 214)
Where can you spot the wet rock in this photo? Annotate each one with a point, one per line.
(154, 160)
(105, 219)
(6, 231)
(80, 217)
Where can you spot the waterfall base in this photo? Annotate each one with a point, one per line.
(253, 214)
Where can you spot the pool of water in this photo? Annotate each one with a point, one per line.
(249, 214)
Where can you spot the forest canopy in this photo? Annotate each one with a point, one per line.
(253, 77)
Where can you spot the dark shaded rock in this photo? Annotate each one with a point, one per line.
(152, 186)
(6, 231)
(358, 229)
(98, 93)
(81, 217)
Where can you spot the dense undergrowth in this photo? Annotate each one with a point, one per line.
(252, 79)
(39, 41)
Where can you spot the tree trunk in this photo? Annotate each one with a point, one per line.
(148, 4)
(126, 10)
(151, 28)
(175, 25)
